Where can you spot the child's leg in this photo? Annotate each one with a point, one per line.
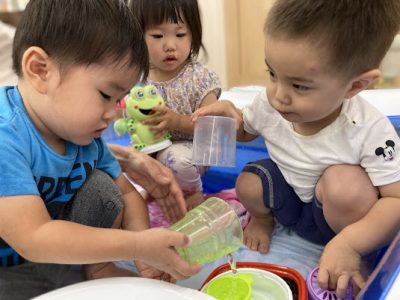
(21, 282)
(258, 232)
(99, 204)
(346, 194)
(178, 157)
(266, 195)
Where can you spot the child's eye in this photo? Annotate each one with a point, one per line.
(105, 96)
(271, 74)
(180, 35)
(157, 36)
(300, 87)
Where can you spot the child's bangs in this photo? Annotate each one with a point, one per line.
(163, 12)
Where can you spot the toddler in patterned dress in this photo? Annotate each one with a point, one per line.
(173, 34)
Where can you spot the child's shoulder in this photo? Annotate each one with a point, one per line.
(9, 96)
(362, 111)
(197, 69)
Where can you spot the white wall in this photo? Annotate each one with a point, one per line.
(212, 12)
(391, 62)
(7, 75)
(12, 5)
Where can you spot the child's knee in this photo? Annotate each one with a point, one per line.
(347, 188)
(188, 175)
(248, 187)
(98, 203)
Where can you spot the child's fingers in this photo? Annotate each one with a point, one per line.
(167, 208)
(323, 278)
(119, 151)
(161, 109)
(179, 239)
(159, 134)
(203, 111)
(182, 269)
(341, 286)
(152, 121)
(358, 280)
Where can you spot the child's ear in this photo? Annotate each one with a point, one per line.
(362, 82)
(35, 68)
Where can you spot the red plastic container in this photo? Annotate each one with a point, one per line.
(283, 272)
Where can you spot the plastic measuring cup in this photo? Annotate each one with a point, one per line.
(214, 229)
(214, 141)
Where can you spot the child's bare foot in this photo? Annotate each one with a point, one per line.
(193, 200)
(105, 270)
(257, 234)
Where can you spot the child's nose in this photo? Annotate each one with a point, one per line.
(281, 95)
(111, 113)
(169, 45)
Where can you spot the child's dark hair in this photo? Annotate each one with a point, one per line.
(356, 34)
(81, 32)
(151, 13)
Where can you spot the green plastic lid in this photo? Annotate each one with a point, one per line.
(231, 287)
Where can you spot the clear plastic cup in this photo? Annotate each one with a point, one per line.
(214, 142)
(214, 229)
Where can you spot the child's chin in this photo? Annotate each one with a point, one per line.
(84, 142)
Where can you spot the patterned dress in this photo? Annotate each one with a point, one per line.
(184, 94)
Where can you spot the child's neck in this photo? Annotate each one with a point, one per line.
(29, 100)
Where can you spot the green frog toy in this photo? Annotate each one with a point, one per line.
(138, 107)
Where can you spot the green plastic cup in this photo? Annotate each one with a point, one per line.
(214, 229)
(231, 287)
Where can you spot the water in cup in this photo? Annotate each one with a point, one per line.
(214, 229)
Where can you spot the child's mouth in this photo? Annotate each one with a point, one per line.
(98, 133)
(170, 60)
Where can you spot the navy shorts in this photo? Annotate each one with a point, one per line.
(306, 219)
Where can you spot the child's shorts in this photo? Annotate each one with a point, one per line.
(306, 219)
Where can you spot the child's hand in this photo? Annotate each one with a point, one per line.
(155, 178)
(220, 108)
(156, 247)
(165, 121)
(340, 263)
(148, 271)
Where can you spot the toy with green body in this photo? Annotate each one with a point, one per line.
(139, 107)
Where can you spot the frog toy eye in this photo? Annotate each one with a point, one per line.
(139, 94)
(153, 91)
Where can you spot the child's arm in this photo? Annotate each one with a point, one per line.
(227, 109)
(27, 227)
(341, 258)
(135, 216)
